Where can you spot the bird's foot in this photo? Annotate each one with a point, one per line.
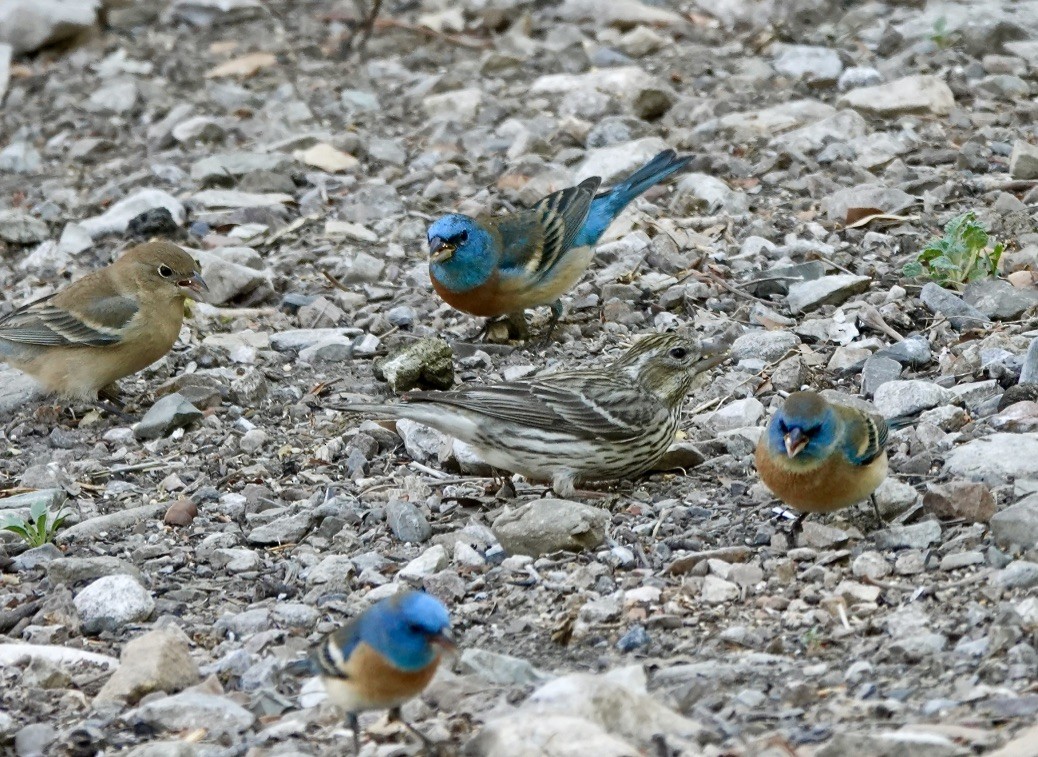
(429, 746)
(875, 508)
(544, 339)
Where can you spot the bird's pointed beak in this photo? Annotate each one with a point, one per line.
(195, 284)
(444, 640)
(713, 354)
(795, 440)
(440, 250)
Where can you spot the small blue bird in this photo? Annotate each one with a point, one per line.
(384, 657)
(493, 267)
(819, 457)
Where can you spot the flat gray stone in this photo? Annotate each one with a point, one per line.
(994, 459)
(907, 95)
(828, 290)
(896, 398)
(164, 417)
(1023, 161)
(1017, 525)
(550, 525)
(959, 313)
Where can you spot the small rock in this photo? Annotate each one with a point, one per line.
(898, 398)
(916, 536)
(994, 459)
(718, 591)
(1023, 161)
(876, 372)
(1019, 574)
(430, 561)
(959, 313)
(808, 62)
(407, 522)
(907, 95)
(500, 669)
(117, 218)
(18, 227)
(284, 530)
(768, 346)
(180, 513)
(828, 290)
(190, 710)
(111, 602)
(549, 525)
(428, 361)
(1017, 525)
(168, 414)
(157, 661)
(960, 499)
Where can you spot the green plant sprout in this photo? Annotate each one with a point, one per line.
(41, 526)
(962, 255)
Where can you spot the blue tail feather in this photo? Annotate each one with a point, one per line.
(609, 204)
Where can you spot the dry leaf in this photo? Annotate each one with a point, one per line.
(327, 158)
(1023, 279)
(245, 66)
(856, 214)
(874, 215)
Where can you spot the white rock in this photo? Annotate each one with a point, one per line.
(430, 561)
(994, 459)
(111, 602)
(896, 398)
(458, 105)
(28, 25)
(117, 218)
(909, 94)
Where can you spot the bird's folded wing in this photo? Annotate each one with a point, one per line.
(586, 407)
(331, 657)
(535, 239)
(100, 323)
(866, 436)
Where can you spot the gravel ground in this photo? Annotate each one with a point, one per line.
(211, 542)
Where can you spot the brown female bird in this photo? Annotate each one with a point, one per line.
(107, 325)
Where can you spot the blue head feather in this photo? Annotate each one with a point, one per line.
(403, 627)
(811, 415)
(476, 253)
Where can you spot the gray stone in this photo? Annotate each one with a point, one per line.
(20, 157)
(713, 194)
(226, 276)
(1019, 574)
(891, 744)
(865, 196)
(118, 96)
(19, 227)
(223, 167)
(550, 525)
(298, 339)
(877, 371)
(1017, 525)
(118, 217)
(74, 570)
(157, 661)
(916, 536)
(618, 160)
(808, 62)
(28, 25)
(111, 602)
(17, 389)
(284, 530)
(907, 95)
(839, 127)
(960, 314)
(999, 300)
(828, 290)
(33, 740)
(428, 361)
(407, 522)
(1023, 161)
(994, 459)
(334, 349)
(500, 669)
(897, 398)
(1029, 371)
(737, 414)
(190, 710)
(168, 414)
(431, 561)
(914, 351)
(520, 735)
(121, 520)
(768, 346)
(858, 76)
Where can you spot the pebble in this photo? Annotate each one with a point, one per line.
(111, 602)
(549, 525)
(167, 414)
(898, 398)
(158, 660)
(1017, 525)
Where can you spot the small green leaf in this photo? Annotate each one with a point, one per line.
(911, 270)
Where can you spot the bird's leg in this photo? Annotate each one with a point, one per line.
(110, 393)
(796, 528)
(354, 723)
(875, 508)
(553, 322)
(430, 746)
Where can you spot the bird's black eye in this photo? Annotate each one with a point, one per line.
(783, 427)
(165, 271)
(679, 353)
(462, 237)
